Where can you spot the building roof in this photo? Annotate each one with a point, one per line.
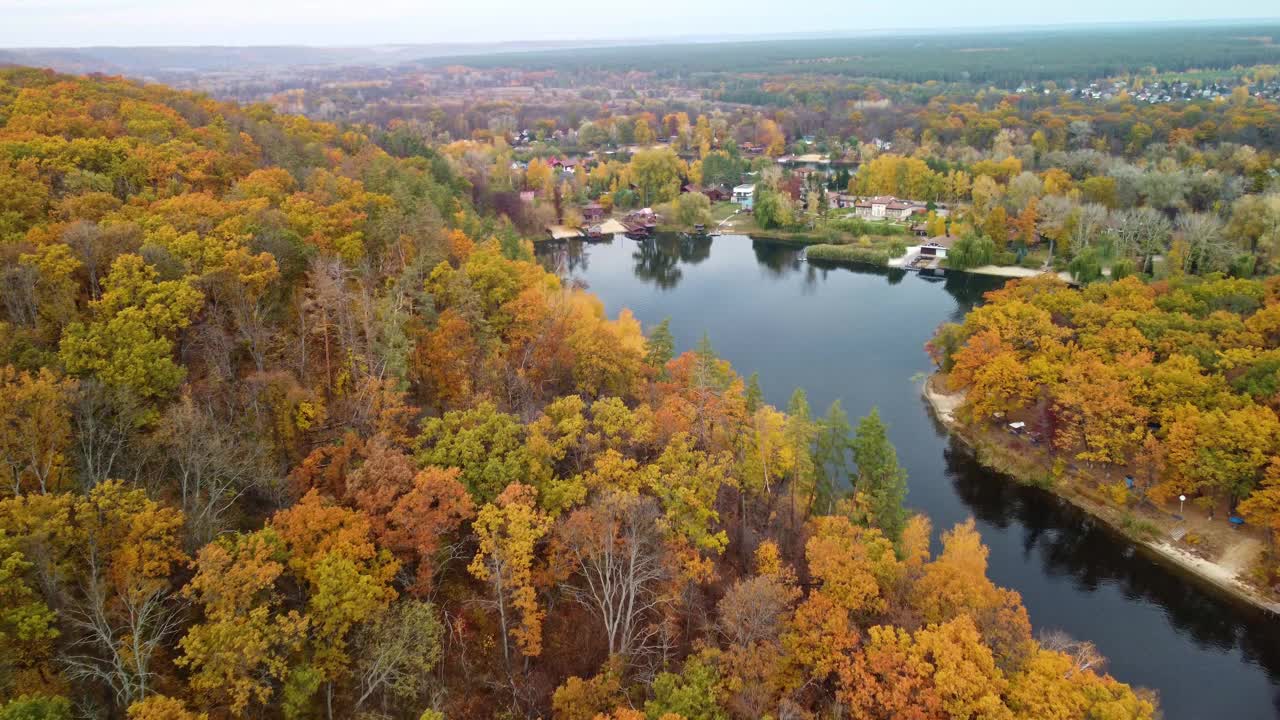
(745, 188)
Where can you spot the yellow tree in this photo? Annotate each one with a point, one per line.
(508, 531)
(1221, 452)
(956, 585)
(1262, 507)
(35, 429)
(243, 645)
(108, 558)
(1057, 686)
(129, 342)
(1100, 420)
(854, 566)
(537, 176)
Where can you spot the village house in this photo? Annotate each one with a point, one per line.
(844, 200)
(593, 212)
(886, 207)
(714, 193)
(745, 195)
(717, 193)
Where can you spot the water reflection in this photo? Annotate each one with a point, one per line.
(658, 258)
(1069, 543)
(564, 258)
(778, 259)
(842, 332)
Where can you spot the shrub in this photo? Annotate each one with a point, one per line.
(1005, 258)
(1085, 267)
(1243, 266)
(849, 253)
(1122, 269)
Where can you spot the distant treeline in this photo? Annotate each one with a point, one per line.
(1004, 58)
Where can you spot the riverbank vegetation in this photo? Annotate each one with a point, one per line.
(296, 428)
(1160, 390)
(868, 253)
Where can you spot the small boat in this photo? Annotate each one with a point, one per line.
(595, 232)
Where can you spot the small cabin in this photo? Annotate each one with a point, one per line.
(937, 247)
(716, 193)
(745, 195)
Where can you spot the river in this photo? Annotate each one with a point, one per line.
(857, 334)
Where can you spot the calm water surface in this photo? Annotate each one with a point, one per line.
(858, 335)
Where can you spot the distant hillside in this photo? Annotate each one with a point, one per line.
(1008, 56)
(168, 61)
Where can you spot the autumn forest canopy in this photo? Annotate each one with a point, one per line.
(292, 428)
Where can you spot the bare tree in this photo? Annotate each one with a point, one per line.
(116, 648)
(105, 422)
(1208, 250)
(1090, 222)
(212, 466)
(1142, 231)
(616, 548)
(754, 610)
(1084, 655)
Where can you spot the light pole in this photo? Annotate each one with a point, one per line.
(1181, 499)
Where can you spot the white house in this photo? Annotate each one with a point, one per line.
(745, 195)
(935, 247)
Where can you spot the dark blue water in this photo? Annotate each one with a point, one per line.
(858, 335)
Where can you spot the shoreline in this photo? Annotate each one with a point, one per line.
(1206, 572)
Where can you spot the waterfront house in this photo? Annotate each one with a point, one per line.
(745, 195)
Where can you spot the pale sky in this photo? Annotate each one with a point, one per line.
(69, 23)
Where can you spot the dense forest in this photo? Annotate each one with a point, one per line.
(1173, 384)
(1003, 58)
(294, 428)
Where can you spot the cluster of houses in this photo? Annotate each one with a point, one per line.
(879, 207)
(1156, 91)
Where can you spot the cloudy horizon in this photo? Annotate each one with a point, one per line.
(337, 23)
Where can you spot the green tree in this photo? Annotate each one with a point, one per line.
(129, 342)
(693, 208)
(880, 477)
(36, 707)
(660, 346)
(771, 209)
(971, 251)
(486, 445)
(831, 457)
(656, 173)
(755, 396)
(720, 169)
(693, 694)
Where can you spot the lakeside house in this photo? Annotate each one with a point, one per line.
(936, 247)
(882, 207)
(745, 195)
(715, 193)
(593, 212)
